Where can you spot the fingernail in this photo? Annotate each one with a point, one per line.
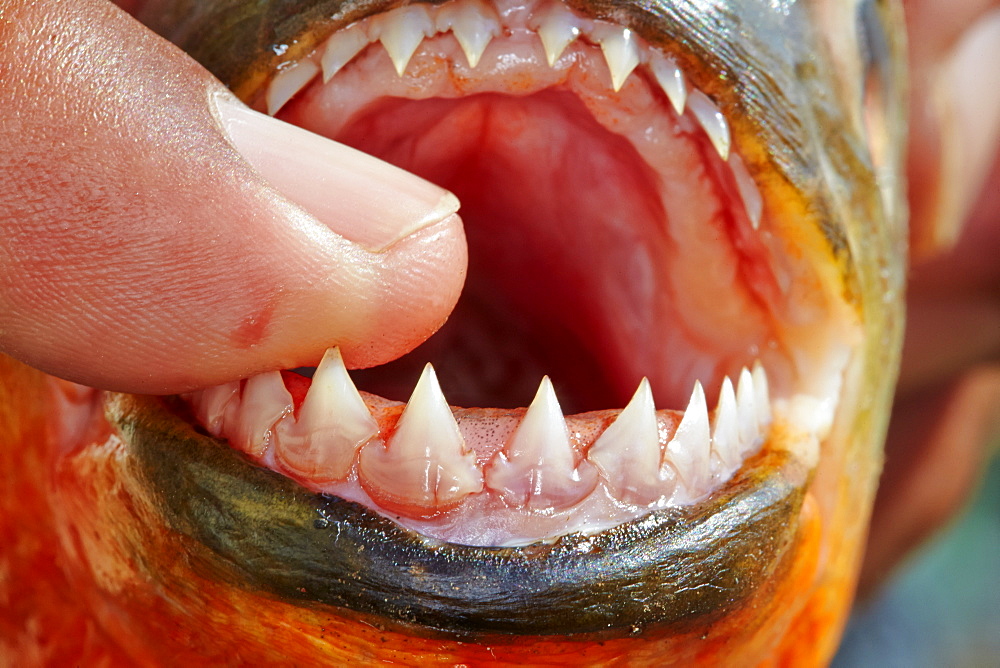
(361, 198)
(968, 101)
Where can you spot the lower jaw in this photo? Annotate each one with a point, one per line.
(694, 565)
(118, 576)
(624, 465)
(154, 523)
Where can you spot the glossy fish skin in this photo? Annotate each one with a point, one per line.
(800, 127)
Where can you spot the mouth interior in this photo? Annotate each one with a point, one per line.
(559, 282)
(611, 239)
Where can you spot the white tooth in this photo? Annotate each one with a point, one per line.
(340, 49)
(212, 405)
(539, 467)
(557, 28)
(749, 192)
(628, 452)
(746, 405)
(712, 120)
(425, 467)
(671, 80)
(690, 449)
(621, 51)
(333, 423)
(401, 32)
(726, 434)
(265, 400)
(761, 396)
(287, 82)
(474, 24)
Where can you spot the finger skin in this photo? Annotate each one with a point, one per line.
(953, 120)
(139, 252)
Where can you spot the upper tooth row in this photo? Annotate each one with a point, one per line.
(424, 465)
(475, 24)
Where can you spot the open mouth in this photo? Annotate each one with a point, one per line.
(648, 354)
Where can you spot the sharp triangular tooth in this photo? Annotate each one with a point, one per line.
(761, 396)
(401, 32)
(332, 425)
(628, 452)
(621, 51)
(712, 120)
(749, 192)
(340, 49)
(425, 467)
(474, 25)
(671, 80)
(287, 82)
(264, 401)
(746, 405)
(726, 432)
(557, 28)
(539, 467)
(211, 406)
(690, 449)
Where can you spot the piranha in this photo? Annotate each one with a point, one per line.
(648, 435)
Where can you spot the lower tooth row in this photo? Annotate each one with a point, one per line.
(422, 465)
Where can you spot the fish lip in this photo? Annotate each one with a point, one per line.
(690, 565)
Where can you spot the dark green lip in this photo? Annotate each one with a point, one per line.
(274, 536)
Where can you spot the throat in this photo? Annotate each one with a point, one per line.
(556, 275)
(608, 240)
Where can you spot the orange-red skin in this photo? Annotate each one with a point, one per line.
(89, 575)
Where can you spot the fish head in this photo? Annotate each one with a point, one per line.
(699, 198)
